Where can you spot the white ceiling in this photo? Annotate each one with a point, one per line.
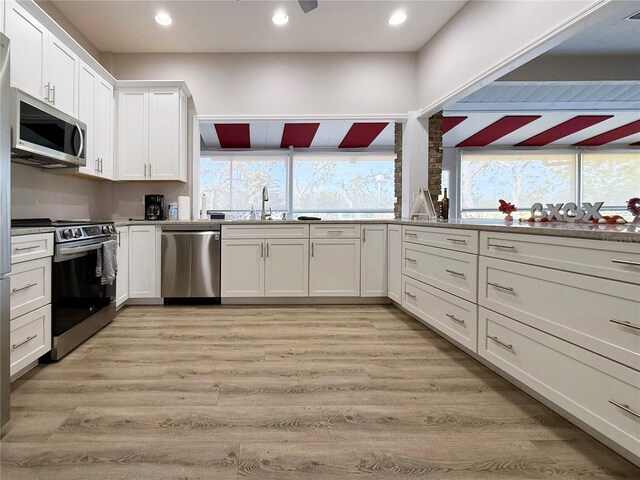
(614, 36)
(246, 26)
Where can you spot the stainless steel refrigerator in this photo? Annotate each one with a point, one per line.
(5, 228)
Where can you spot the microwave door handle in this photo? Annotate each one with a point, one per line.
(81, 149)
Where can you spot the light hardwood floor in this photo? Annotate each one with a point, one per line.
(302, 392)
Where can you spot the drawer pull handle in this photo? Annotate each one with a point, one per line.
(453, 272)
(19, 289)
(501, 287)
(409, 234)
(410, 295)
(452, 317)
(497, 340)
(28, 339)
(625, 408)
(413, 260)
(625, 323)
(495, 245)
(335, 232)
(625, 262)
(20, 249)
(457, 240)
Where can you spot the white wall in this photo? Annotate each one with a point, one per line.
(485, 40)
(284, 83)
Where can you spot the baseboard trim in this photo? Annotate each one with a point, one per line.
(305, 301)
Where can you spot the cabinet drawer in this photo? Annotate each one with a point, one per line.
(449, 314)
(613, 260)
(582, 383)
(451, 238)
(587, 311)
(30, 338)
(31, 247)
(335, 231)
(30, 286)
(285, 230)
(453, 272)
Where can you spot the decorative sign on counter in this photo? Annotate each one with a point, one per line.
(567, 212)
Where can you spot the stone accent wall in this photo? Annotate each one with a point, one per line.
(397, 208)
(435, 156)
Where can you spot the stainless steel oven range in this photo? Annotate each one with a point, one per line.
(80, 304)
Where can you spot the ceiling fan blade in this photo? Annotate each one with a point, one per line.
(308, 5)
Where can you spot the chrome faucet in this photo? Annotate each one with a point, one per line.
(265, 198)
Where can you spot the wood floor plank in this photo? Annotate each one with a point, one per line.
(284, 392)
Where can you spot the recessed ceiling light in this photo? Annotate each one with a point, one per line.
(163, 19)
(280, 18)
(397, 18)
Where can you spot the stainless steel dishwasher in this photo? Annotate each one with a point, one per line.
(191, 262)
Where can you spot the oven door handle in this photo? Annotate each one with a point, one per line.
(74, 250)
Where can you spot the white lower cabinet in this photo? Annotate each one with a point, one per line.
(394, 263)
(334, 267)
(122, 280)
(144, 262)
(242, 265)
(30, 338)
(601, 393)
(286, 272)
(373, 261)
(453, 316)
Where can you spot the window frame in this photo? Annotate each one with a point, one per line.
(454, 166)
(290, 154)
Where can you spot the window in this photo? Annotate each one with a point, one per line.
(338, 185)
(547, 177)
(234, 182)
(329, 185)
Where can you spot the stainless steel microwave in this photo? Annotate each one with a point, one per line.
(43, 136)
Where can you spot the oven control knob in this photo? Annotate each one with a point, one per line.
(105, 229)
(112, 229)
(77, 233)
(67, 233)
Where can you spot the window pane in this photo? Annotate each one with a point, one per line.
(342, 182)
(612, 178)
(523, 179)
(235, 182)
(248, 178)
(215, 182)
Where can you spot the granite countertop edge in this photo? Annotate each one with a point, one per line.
(615, 233)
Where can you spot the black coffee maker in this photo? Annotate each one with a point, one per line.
(154, 207)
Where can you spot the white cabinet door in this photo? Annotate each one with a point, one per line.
(242, 268)
(143, 262)
(164, 133)
(28, 50)
(122, 281)
(373, 261)
(133, 134)
(334, 268)
(87, 79)
(286, 268)
(104, 128)
(394, 262)
(62, 72)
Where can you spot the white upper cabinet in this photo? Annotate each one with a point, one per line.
(29, 41)
(62, 75)
(104, 128)
(373, 264)
(95, 108)
(87, 106)
(152, 133)
(133, 134)
(41, 64)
